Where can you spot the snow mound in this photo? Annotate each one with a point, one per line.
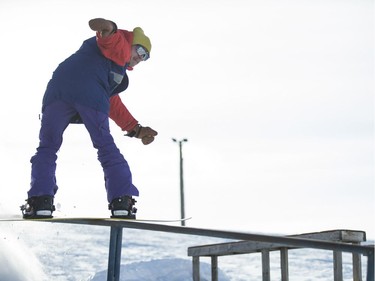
(161, 270)
(14, 255)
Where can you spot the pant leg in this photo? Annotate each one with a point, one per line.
(54, 121)
(117, 175)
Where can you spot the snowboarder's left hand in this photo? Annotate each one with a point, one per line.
(146, 134)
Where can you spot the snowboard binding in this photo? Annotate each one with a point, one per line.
(123, 207)
(38, 207)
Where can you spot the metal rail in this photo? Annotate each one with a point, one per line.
(118, 225)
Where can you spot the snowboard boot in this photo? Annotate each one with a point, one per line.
(38, 207)
(122, 208)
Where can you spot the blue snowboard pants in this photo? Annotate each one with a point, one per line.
(56, 118)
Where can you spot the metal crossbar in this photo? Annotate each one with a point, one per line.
(248, 247)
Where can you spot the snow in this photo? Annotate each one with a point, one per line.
(63, 252)
(173, 269)
(13, 253)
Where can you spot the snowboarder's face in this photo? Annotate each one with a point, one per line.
(138, 54)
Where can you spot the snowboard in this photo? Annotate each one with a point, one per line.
(89, 220)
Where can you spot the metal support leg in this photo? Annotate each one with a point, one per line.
(196, 273)
(337, 266)
(370, 267)
(357, 267)
(114, 259)
(214, 269)
(284, 264)
(266, 265)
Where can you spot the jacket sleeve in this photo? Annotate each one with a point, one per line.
(121, 115)
(116, 47)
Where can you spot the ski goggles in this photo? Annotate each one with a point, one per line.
(141, 51)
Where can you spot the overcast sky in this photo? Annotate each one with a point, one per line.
(276, 99)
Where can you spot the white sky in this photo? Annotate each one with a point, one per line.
(275, 97)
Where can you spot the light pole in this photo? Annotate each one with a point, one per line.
(181, 180)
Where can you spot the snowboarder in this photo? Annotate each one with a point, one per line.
(84, 89)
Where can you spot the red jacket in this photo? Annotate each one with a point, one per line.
(117, 47)
(121, 115)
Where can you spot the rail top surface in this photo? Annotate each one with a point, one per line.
(287, 241)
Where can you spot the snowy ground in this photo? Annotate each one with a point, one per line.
(62, 252)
